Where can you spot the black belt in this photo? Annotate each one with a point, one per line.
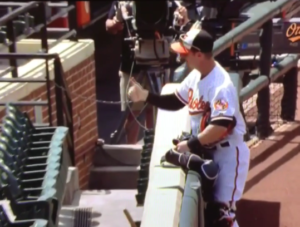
(224, 144)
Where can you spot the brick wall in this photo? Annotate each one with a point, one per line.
(81, 82)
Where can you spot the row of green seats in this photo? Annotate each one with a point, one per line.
(33, 173)
(22, 25)
(5, 220)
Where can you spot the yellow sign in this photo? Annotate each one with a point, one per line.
(293, 32)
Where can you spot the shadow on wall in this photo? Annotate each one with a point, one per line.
(258, 213)
(107, 61)
(107, 53)
(107, 50)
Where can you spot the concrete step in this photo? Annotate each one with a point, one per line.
(114, 177)
(118, 155)
(106, 207)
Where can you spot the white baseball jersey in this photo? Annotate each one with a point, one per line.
(217, 93)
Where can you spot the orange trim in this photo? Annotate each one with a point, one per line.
(157, 35)
(236, 173)
(196, 112)
(179, 48)
(83, 13)
(203, 121)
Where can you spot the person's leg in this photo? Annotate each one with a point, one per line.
(233, 170)
(149, 117)
(220, 214)
(131, 126)
(233, 162)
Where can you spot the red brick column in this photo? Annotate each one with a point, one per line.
(81, 82)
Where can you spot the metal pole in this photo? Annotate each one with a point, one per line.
(72, 16)
(263, 125)
(45, 49)
(289, 99)
(11, 34)
(28, 56)
(25, 103)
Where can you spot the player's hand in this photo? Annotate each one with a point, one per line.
(136, 92)
(182, 147)
(182, 15)
(124, 11)
(118, 25)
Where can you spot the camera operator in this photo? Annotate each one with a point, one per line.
(116, 25)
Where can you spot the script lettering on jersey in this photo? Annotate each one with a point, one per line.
(195, 104)
(293, 32)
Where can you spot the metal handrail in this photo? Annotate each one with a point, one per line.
(64, 103)
(63, 99)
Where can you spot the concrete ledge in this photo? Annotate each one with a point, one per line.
(163, 208)
(164, 194)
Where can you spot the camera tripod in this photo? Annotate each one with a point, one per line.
(156, 77)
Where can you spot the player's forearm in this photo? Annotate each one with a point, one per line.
(111, 26)
(211, 134)
(166, 102)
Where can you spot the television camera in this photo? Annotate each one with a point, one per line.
(149, 45)
(147, 24)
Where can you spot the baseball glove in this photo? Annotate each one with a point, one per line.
(172, 155)
(183, 137)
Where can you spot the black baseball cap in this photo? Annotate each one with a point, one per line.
(195, 38)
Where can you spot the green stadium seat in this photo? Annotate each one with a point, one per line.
(33, 167)
(5, 221)
(28, 19)
(19, 27)
(3, 37)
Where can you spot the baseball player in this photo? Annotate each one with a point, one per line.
(208, 89)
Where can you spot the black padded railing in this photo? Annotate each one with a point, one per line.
(25, 20)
